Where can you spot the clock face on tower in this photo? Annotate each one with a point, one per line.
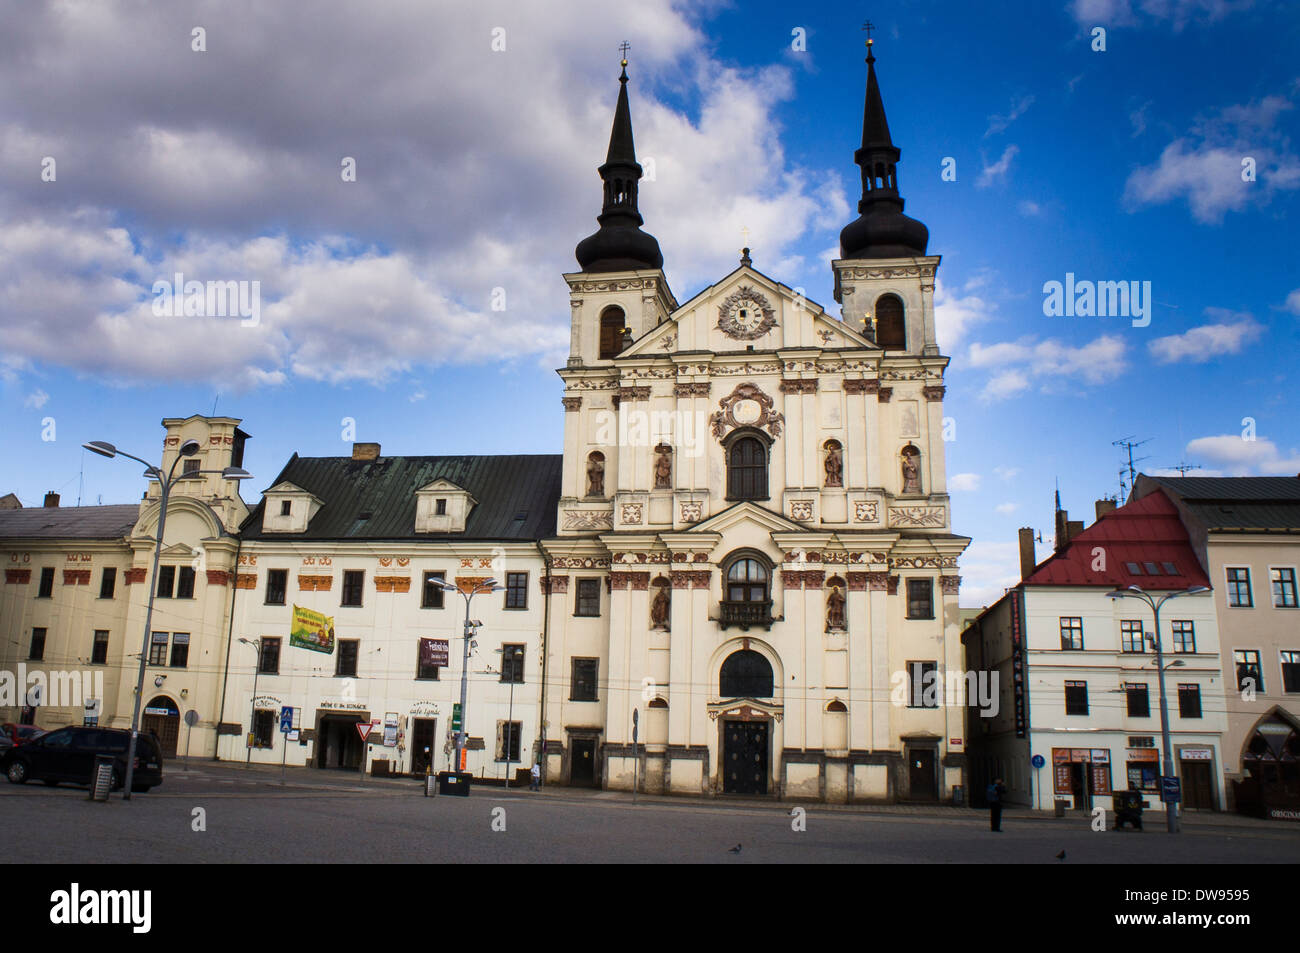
(745, 315)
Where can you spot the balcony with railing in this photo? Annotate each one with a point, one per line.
(745, 614)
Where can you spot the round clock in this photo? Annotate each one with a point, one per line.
(745, 315)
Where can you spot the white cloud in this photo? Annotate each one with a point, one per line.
(1201, 344)
(1018, 108)
(1293, 302)
(1205, 167)
(1029, 208)
(36, 399)
(1049, 362)
(1006, 473)
(1006, 509)
(955, 312)
(1237, 456)
(988, 569)
(964, 482)
(1178, 13)
(998, 169)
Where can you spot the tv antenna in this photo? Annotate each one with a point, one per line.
(1129, 445)
(1182, 468)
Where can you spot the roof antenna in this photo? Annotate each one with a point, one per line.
(1129, 444)
(214, 404)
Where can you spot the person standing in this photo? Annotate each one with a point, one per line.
(994, 796)
(535, 775)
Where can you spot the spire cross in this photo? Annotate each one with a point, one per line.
(624, 47)
(868, 26)
(744, 233)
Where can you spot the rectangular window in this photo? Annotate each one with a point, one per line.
(277, 586)
(46, 589)
(920, 598)
(108, 582)
(424, 669)
(588, 600)
(508, 733)
(347, 660)
(99, 648)
(1071, 632)
(922, 685)
(36, 651)
(1239, 589)
(166, 581)
(1139, 700)
(185, 583)
(582, 686)
(516, 590)
(1250, 676)
(1076, 698)
(354, 580)
(263, 728)
(268, 658)
(1130, 636)
(1142, 776)
(180, 649)
(1290, 671)
(1184, 635)
(190, 468)
(439, 507)
(1189, 701)
(286, 507)
(432, 595)
(1283, 583)
(158, 648)
(512, 664)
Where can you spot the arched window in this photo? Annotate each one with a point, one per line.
(891, 330)
(746, 674)
(747, 581)
(837, 706)
(612, 323)
(747, 469)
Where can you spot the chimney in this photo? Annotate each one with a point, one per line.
(1027, 558)
(1104, 507)
(51, 500)
(365, 451)
(1072, 529)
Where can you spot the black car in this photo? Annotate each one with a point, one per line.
(68, 754)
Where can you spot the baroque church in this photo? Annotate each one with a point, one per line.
(759, 487)
(739, 576)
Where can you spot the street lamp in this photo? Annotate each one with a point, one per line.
(478, 586)
(1136, 592)
(187, 449)
(252, 717)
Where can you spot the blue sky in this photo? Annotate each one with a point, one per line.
(476, 172)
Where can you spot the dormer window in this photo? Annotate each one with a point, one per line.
(286, 507)
(440, 509)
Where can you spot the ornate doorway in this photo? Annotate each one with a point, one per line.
(745, 757)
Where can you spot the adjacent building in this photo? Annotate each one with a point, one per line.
(1246, 534)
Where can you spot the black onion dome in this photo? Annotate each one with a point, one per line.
(620, 244)
(882, 230)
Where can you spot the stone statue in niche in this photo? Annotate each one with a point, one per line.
(596, 475)
(835, 609)
(911, 470)
(663, 467)
(659, 608)
(834, 465)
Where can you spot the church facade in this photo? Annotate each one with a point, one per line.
(754, 574)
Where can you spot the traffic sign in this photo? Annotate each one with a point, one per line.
(363, 729)
(1038, 761)
(1171, 791)
(455, 717)
(286, 720)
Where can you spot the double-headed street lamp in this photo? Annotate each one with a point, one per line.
(187, 449)
(469, 591)
(1136, 592)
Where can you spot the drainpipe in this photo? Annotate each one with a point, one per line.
(230, 636)
(546, 648)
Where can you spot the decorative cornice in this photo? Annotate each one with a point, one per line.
(571, 403)
(799, 386)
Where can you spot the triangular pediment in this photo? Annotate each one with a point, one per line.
(746, 311)
(441, 485)
(179, 550)
(746, 512)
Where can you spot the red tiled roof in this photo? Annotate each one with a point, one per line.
(1142, 531)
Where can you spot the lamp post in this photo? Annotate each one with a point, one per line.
(187, 449)
(1167, 755)
(469, 592)
(252, 717)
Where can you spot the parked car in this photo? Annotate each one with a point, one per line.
(68, 754)
(20, 734)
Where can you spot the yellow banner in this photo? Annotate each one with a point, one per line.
(312, 630)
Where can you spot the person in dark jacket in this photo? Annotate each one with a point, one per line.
(994, 796)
